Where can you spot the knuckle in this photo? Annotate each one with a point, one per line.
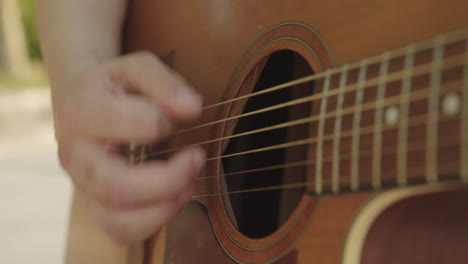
(160, 126)
(163, 124)
(145, 57)
(147, 126)
(152, 126)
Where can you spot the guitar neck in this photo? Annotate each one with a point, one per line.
(391, 120)
(396, 119)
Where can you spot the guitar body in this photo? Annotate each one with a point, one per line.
(223, 48)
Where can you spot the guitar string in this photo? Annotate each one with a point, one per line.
(365, 130)
(265, 91)
(415, 121)
(445, 168)
(412, 147)
(416, 96)
(349, 110)
(451, 64)
(379, 58)
(302, 142)
(452, 61)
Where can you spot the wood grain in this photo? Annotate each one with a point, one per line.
(429, 228)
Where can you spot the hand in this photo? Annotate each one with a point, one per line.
(134, 98)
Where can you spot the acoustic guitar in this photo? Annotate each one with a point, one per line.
(336, 132)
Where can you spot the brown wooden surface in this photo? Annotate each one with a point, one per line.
(276, 244)
(191, 239)
(207, 49)
(324, 239)
(427, 229)
(204, 40)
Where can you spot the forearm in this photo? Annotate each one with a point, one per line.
(78, 34)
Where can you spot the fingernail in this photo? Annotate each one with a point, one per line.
(198, 160)
(185, 196)
(189, 98)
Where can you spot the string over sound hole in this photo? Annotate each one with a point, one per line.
(258, 214)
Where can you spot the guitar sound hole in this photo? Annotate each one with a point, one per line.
(260, 213)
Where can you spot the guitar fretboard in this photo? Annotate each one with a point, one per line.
(397, 119)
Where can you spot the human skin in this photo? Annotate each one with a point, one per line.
(102, 100)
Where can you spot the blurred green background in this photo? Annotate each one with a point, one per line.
(20, 54)
(35, 194)
(28, 17)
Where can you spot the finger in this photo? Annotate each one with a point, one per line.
(121, 117)
(145, 73)
(134, 225)
(116, 183)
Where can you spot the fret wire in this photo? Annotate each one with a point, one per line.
(377, 144)
(357, 127)
(321, 127)
(404, 113)
(394, 76)
(416, 95)
(433, 109)
(132, 149)
(349, 133)
(464, 145)
(412, 146)
(450, 37)
(142, 157)
(336, 137)
(446, 167)
(458, 60)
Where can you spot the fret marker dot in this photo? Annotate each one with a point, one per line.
(451, 104)
(392, 115)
